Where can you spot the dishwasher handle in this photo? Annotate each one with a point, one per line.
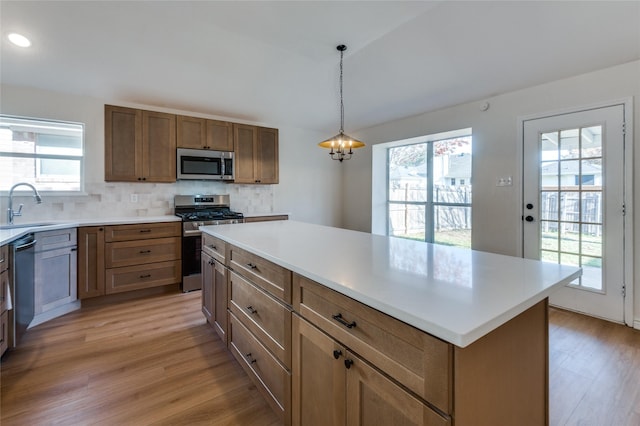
(25, 243)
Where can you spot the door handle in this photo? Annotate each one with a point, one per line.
(529, 218)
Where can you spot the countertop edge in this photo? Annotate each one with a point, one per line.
(9, 235)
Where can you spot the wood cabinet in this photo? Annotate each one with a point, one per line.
(214, 295)
(405, 374)
(5, 285)
(333, 386)
(259, 306)
(91, 270)
(55, 271)
(140, 146)
(256, 154)
(142, 255)
(119, 258)
(201, 133)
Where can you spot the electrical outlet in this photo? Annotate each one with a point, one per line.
(133, 198)
(505, 181)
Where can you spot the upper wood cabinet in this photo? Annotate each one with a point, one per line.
(256, 150)
(139, 145)
(200, 133)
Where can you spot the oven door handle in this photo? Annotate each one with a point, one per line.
(192, 233)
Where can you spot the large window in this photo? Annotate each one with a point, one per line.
(429, 189)
(47, 154)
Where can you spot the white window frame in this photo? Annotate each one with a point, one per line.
(40, 156)
(380, 178)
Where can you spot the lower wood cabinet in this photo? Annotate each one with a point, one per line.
(91, 270)
(119, 258)
(272, 379)
(214, 294)
(333, 386)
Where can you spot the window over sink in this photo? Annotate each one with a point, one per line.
(48, 154)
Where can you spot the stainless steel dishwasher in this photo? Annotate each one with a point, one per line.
(23, 285)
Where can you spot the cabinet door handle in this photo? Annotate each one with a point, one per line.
(145, 230)
(145, 276)
(251, 359)
(252, 310)
(74, 249)
(338, 317)
(145, 251)
(337, 354)
(348, 363)
(213, 247)
(252, 265)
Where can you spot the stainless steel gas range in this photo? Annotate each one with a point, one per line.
(196, 211)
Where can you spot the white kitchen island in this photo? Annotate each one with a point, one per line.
(485, 313)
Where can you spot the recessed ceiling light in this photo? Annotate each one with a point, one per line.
(19, 40)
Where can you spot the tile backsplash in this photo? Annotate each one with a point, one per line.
(116, 199)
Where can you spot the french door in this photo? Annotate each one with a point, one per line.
(573, 204)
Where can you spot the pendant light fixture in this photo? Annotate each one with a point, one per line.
(341, 145)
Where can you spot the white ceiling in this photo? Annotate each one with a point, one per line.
(275, 62)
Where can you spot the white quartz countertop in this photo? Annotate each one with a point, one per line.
(455, 294)
(20, 229)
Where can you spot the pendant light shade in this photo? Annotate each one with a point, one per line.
(341, 145)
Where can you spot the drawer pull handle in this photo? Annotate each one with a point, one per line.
(252, 265)
(145, 251)
(251, 310)
(213, 247)
(145, 276)
(348, 363)
(337, 354)
(251, 359)
(338, 317)
(145, 230)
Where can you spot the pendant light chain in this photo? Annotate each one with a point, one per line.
(341, 97)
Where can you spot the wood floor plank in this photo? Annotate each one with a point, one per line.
(155, 361)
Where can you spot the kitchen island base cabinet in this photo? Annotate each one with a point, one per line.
(332, 386)
(214, 295)
(272, 379)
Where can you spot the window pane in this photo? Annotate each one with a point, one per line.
(49, 153)
(592, 142)
(549, 148)
(569, 144)
(452, 226)
(451, 166)
(407, 221)
(408, 173)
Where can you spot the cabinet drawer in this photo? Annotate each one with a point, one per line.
(267, 318)
(266, 275)
(416, 359)
(142, 276)
(50, 240)
(142, 231)
(4, 258)
(272, 379)
(215, 247)
(126, 253)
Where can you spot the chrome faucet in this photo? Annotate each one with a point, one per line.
(10, 212)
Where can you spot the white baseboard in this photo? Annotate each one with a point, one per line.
(636, 324)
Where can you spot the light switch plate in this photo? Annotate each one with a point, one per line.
(504, 181)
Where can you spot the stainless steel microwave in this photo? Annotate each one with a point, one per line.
(203, 164)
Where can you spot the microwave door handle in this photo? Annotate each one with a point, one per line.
(222, 168)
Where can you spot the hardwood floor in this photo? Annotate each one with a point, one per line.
(155, 361)
(152, 361)
(594, 371)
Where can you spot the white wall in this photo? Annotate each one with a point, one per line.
(308, 189)
(497, 210)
